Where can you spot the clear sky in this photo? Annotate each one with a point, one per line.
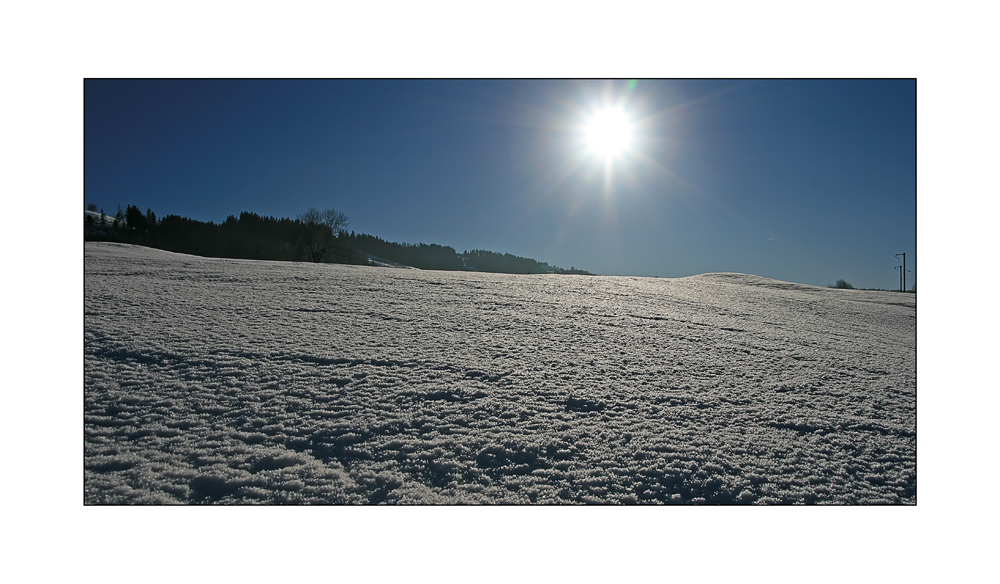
(806, 181)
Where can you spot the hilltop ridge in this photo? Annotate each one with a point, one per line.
(251, 236)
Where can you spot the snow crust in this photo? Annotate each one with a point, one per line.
(236, 381)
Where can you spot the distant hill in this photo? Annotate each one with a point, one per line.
(251, 236)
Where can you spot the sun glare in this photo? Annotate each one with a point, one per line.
(609, 133)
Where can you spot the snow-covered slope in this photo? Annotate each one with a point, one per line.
(384, 263)
(235, 381)
(96, 217)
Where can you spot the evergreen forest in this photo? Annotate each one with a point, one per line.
(314, 236)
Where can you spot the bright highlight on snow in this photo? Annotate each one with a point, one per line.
(609, 133)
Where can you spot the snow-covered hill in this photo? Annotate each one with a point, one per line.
(384, 263)
(96, 217)
(236, 381)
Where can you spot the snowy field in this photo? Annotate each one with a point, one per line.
(236, 381)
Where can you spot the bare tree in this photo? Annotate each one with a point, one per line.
(318, 230)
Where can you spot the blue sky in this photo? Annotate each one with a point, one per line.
(801, 180)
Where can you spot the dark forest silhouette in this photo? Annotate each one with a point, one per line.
(315, 236)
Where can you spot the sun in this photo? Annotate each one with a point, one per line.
(609, 133)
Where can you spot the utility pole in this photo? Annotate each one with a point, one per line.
(902, 273)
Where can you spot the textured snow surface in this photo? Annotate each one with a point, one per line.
(232, 381)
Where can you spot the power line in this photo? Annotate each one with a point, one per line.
(902, 272)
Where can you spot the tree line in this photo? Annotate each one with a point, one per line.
(314, 236)
(482, 260)
(424, 256)
(249, 236)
